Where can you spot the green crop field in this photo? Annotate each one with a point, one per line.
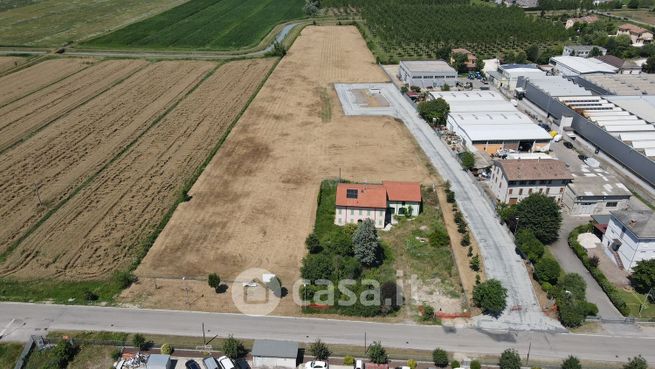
(418, 28)
(205, 24)
(55, 22)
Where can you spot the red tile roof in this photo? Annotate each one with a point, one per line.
(403, 191)
(368, 195)
(632, 28)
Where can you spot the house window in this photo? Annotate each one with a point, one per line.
(360, 211)
(561, 189)
(529, 191)
(351, 193)
(352, 211)
(401, 211)
(520, 191)
(541, 190)
(510, 191)
(612, 204)
(368, 212)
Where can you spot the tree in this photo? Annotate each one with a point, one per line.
(313, 244)
(547, 270)
(541, 215)
(214, 281)
(636, 363)
(529, 245)
(479, 64)
(234, 348)
(434, 111)
(649, 66)
(642, 278)
(311, 7)
(139, 341)
(573, 284)
(475, 364)
(320, 350)
(377, 354)
(366, 244)
(491, 297)
(532, 53)
(468, 160)
(595, 52)
(510, 359)
(443, 53)
(166, 349)
(633, 4)
(445, 87)
(64, 352)
(571, 362)
(316, 266)
(460, 62)
(440, 358)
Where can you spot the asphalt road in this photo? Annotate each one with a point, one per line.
(18, 321)
(497, 247)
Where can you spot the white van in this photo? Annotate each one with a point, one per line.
(225, 362)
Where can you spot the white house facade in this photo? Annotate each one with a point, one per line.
(630, 237)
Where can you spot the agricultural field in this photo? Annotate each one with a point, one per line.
(255, 203)
(641, 15)
(205, 24)
(417, 29)
(52, 23)
(9, 62)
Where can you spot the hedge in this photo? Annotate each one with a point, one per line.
(609, 289)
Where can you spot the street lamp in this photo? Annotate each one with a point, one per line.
(516, 226)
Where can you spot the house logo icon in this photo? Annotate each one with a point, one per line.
(256, 292)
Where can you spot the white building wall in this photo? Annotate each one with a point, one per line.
(586, 206)
(517, 192)
(394, 208)
(632, 249)
(345, 215)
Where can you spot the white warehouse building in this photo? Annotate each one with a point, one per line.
(427, 74)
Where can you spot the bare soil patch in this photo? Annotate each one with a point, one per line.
(34, 78)
(8, 62)
(256, 201)
(48, 167)
(27, 115)
(99, 229)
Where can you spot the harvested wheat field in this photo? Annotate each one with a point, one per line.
(100, 229)
(16, 85)
(25, 116)
(62, 156)
(8, 62)
(255, 203)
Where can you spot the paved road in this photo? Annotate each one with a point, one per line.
(497, 247)
(18, 321)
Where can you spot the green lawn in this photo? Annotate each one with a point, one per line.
(93, 357)
(205, 24)
(634, 301)
(9, 354)
(55, 22)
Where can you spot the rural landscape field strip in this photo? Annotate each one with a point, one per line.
(255, 203)
(25, 116)
(51, 164)
(99, 229)
(8, 62)
(16, 85)
(55, 22)
(208, 24)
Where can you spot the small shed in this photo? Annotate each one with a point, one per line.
(275, 354)
(158, 361)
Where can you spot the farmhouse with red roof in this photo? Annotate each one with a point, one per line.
(357, 202)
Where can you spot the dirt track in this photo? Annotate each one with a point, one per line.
(23, 82)
(72, 149)
(27, 115)
(255, 203)
(98, 230)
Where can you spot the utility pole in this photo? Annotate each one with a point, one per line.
(365, 346)
(186, 289)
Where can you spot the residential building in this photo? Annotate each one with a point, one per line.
(514, 180)
(275, 354)
(623, 66)
(471, 59)
(575, 66)
(582, 51)
(586, 19)
(591, 194)
(638, 36)
(519, 3)
(357, 202)
(630, 237)
(427, 74)
(485, 121)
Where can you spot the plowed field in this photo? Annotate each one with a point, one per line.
(255, 203)
(99, 229)
(42, 171)
(27, 115)
(23, 82)
(8, 62)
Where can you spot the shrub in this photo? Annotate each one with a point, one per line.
(547, 270)
(455, 364)
(594, 261)
(571, 313)
(64, 352)
(439, 238)
(475, 364)
(461, 228)
(475, 263)
(428, 312)
(233, 348)
(574, 284)
(450, 196)
(411, 363)
(166, 349)
(636, 363)
(510, 359)
(529, 246)
(313, 244)
(116, 354)
(377, 354)
(90, 296)
(467, 159)
(348, 360)
(213, 280)
(338, 242)
(466, 240)
(440, 358)
(139, 341)
(320, 350)
(491, 297)
(316, 266)
(571, 362)
(124, 279)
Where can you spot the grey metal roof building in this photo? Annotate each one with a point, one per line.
(427, 74)
(272, 348)
(625, 84)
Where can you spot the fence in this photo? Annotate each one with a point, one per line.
(27, 349)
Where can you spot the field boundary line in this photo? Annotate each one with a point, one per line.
(46, 86)
(12, 247)
(147, 244)
(70, 110)
(28, 63)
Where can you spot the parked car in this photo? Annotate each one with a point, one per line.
(317, 365)
(225, 362)
(209, 363)
(359, 364)
(191, 364)
(568, 145)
